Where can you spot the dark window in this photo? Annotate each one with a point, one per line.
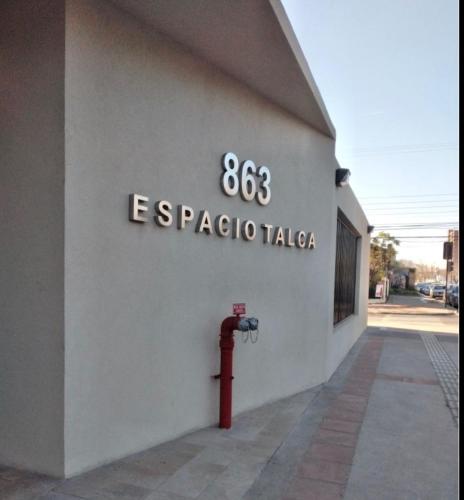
(345, 268)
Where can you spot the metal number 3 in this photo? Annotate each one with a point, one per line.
(264, 185)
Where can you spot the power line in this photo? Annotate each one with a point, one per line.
(420, 210)
(408, 195)
(420, 223)
(392, 152)
(414, 237)
(412, 203)
(405, 146)
(424, 242)
(393, 206)
(444, 237)
(399, 149)
(383, 227)
(399, 217)
(416, 223)
(410, 226)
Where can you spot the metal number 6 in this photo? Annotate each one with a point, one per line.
(247, 181)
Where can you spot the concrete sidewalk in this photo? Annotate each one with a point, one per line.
(383, 427)
(416, 313)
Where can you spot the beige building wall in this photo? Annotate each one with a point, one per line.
(112, 327)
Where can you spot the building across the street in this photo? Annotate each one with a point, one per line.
(161, 161)
(402, 277)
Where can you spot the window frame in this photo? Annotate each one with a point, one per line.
(345, 286)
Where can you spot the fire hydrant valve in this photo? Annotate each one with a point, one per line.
(253, 324)
(243, 325)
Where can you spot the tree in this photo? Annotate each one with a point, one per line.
(383, 255)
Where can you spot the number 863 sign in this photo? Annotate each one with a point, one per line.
(248, 180)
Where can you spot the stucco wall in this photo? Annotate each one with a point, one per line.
(109, 329)
(144, 304)
(32, 234)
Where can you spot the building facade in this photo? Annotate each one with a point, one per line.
(136, 211)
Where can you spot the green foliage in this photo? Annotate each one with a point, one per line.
(383, 256)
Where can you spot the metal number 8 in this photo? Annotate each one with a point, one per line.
(229, 179)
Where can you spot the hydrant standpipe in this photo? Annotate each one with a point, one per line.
(226, 344)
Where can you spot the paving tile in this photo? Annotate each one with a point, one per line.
(341, 425)
(368, 492)
(363, 370)
(360, 384)
(122, 491)
(15, 482)
(86, 485)
(167, 461)
(57, 496)
(351, 398)
(331, 452)
(233, 483)
(269, 438)
(324, 470)
(279, 425)
(358, 380)
(309, 489)
(296, 443)
(12, 475)
(219, 455)
(137, 475)
(362, 378)
(192, 479)
(164, 495)
(357, 390)
(263, 450)
(207, 437)
(271, 484)
(410, 380)
(335, 437)
(365, 362)
(339, 414)
(353, 406)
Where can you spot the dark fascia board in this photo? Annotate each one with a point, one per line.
(344, 219)
(251, 40)
(303, 63)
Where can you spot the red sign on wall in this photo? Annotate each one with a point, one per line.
(239, 308)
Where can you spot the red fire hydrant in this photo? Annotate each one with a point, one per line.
(226, 344)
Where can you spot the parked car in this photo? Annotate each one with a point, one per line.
(453, 297)
(425, 289)
(437, 291)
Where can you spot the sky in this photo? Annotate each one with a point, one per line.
(387, 71)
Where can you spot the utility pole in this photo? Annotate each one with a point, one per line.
(447, 255)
